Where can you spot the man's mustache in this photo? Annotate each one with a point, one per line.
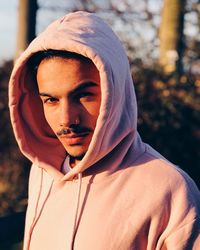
(75, 129)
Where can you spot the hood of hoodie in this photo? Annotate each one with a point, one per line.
(116, 128)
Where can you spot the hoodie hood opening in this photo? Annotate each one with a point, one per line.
(85, 34)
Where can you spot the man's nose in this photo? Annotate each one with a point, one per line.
(68, 115)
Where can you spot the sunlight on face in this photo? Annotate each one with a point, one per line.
(71, 96)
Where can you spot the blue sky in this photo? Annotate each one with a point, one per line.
(8, 28)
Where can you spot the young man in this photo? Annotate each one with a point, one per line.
(94, 184)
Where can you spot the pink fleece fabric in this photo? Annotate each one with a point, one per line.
(123, 194)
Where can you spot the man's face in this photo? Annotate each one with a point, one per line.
(71, 96)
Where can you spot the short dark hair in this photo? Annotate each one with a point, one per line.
(39, 56)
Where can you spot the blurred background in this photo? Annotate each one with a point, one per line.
(162, 39)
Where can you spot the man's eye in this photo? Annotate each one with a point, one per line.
(50, 100)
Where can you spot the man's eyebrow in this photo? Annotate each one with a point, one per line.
(44, 94)
(83, 86)
(79, 88)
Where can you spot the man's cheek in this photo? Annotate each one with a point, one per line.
(51, 122)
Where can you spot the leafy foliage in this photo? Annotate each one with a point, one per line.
(13, 167)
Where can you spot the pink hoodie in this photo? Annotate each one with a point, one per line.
(123, 194)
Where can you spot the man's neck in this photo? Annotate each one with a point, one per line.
(73, 161)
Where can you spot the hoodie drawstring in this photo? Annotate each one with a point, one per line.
(37, 211)
(76, 210)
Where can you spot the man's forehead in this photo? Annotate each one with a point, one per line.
(71, 74)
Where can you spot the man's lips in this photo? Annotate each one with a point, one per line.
(73, 138)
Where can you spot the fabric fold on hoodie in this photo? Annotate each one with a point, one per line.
(122, 194)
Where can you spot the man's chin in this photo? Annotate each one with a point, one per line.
(77, 153)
